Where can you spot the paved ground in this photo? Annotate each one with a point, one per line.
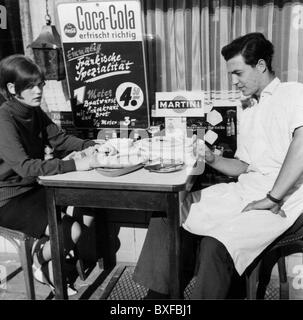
(93, 287)
(14, 288)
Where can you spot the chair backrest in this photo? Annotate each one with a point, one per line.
(294, 232)
(5, 232)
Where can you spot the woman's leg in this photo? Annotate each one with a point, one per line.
(86, 246)
(71, 235)
(84, 216)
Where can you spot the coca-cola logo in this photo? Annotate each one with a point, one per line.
(70, 30)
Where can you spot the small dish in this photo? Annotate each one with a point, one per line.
(116, 172)
(165, 167)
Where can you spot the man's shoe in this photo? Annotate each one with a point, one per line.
(154, 295)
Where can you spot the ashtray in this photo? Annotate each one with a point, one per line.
(165, 167)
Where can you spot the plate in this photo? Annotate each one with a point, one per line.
(116, 172)
(165, 167)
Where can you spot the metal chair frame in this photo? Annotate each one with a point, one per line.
(259, 272)
(23, 244)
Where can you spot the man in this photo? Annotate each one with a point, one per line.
(239, 220)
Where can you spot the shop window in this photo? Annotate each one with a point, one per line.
(10, 32)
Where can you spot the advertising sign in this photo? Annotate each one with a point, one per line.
(104, 56)
(221, 124)
(179, 104)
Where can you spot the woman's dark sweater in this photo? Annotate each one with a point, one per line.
(24, 133)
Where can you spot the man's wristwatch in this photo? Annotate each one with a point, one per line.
(273, 199)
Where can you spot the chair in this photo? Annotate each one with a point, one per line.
(259, 272)
(23, 243)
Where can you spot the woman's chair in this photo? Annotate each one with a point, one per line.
(23, 243)
(259, 272)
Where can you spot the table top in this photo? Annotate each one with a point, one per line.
(141, 179)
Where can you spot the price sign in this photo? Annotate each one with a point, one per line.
(129, 96)
(105, 63)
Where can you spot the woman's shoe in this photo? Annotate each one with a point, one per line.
(39, 264)
(42, 277)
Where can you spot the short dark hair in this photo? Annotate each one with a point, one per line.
(253, 47)
(21, 71)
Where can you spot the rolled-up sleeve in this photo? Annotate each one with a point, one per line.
(61, 141)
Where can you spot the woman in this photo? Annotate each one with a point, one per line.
(25, 131)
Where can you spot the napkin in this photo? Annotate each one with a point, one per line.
(211, 136)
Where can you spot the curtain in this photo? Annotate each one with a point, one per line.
(26, 26)
(185, 37)
(282, 23)
(188, 36)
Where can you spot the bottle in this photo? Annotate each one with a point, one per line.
(114, 134)
(232, 127)
(136, 135)
(48, 153)
(228, 127)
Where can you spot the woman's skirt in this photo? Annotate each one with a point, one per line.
(26, 212)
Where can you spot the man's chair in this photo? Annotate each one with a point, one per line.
(259, 272)
(23, 243)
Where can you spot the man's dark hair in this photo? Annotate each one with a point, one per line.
(21, 71)
(253, 47)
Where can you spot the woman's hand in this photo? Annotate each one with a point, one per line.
(83, 164)
(107, 149)
(94, 160)
(265, 204)
(90, 150)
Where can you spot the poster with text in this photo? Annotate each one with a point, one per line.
(104, 58)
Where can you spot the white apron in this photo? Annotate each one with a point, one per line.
(265, 134)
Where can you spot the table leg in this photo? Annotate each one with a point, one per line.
(106, 240)
(56, 241)
(172, 211)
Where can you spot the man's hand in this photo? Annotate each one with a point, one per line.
(201, 150)
(265, 204)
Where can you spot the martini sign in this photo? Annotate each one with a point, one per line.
(104, 57)
(179, 104)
